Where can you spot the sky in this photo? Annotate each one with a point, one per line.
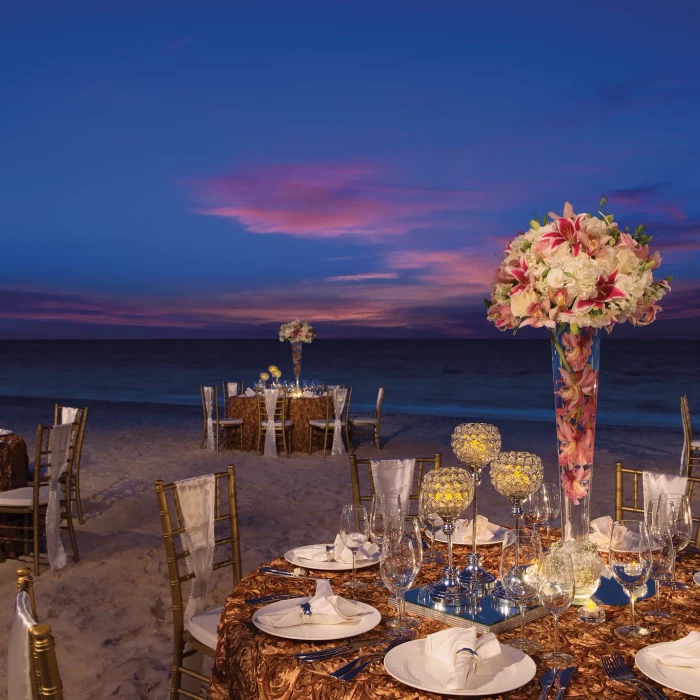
(213, 169)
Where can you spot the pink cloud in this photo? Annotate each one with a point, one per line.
(327, 201)
(647, 199)
(363, 277)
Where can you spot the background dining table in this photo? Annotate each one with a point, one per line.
(301, 410)
(14, 470)
(252, 665)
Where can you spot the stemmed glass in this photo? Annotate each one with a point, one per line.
(663, 555)
(674, 512)
(399, 566)
(354, 532)
(536, 509)
(557, 585)
(520, 558)
(385, 514)
(629, 556)
(553, 496)
(432, 523)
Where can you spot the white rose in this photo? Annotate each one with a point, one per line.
(556, 278)
(596, 226)
(520, 302)
(627, 262)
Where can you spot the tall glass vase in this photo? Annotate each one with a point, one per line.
(296, 359)
(575, 367)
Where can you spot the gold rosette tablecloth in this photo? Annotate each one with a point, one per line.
(300, 411)
(251, 665)
(14, 465)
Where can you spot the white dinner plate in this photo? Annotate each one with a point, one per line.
(696, 578)
(370, 618)
(684, 680)
(460, 538)
(4, 432)
(328, 565)
(409, 664)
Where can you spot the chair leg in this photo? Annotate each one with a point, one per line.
(259, 439)
(176, 677)
(204, 435)
(241, 432)
(26, 531)
(311, 432)
(71, 532)
(78, 501)
(35, 537)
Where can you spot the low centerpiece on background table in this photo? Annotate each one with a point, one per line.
(574, 275)
(296, 332)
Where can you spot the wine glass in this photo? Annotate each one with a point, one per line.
(553, 496)
(385, 514)
(674, 511)
(629, 556)
(354, 532)
(536, 510)
(399, 566)
(520, 558)
(433, 523)
(663, 555)
(557, 586)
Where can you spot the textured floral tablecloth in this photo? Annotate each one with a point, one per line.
(14, 465)
(301, 411)
(251, 665)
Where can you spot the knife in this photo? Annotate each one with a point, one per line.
(562, 681)
(546, 681)
(288, 574)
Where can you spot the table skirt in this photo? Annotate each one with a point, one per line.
(14, 470)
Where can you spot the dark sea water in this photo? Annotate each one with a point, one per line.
(472, 379)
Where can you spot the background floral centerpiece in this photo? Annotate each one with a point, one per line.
(575, 274)
(296, 332)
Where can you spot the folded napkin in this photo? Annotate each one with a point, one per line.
(317, 552)
(444, 647)
(308, 395)
(326, 609)
(249, 392)
(683, 652)
(485, 530)
(600, 530)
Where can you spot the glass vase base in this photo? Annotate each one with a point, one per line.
(528, 646)
(407, 624)
(354, 585)
(557, 658)
(631, 632)
(660, 614)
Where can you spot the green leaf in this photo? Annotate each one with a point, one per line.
(603, 202)
(488, 303)
(544, 219)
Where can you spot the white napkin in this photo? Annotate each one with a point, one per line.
(600, 530)
(683, 652)
(394, 476)
(326, 609)
(655, 485)
(442, 647)
(249, 392)
(317, 552)
(485, 530)
(308, 394)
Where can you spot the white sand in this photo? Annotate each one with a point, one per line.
(111, 611)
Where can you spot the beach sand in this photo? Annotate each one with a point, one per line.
(111, 612)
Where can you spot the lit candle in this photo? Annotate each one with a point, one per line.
(590, 609)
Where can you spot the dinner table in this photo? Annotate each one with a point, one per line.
(252, 665)
(301, 409)
(14, 472)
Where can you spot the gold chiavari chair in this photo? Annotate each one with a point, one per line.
(32, 501)
(231, 389)
(326, 426)
(360, 495)
(219, 425)
(637, 494)
(692, 446)
(200, 634)
(369, 424)
(43, 670)
(283, 426)
(81, 416)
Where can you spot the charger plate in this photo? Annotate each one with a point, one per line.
(408, 664)
(292, 558)
(684, 680)
(460, 538)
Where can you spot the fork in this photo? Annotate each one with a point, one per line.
(623, 671)
(612, 673)
(323, 654)
(356, 666)
(273, 597)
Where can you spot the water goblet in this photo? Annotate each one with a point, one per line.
(557, 584)
(553, 498)
(674, 511)
(629, 557)
(662, 557)
(433, 523)
(385, 515)
(354, 532)
(520, 558)
(399, 566)
(536, 509)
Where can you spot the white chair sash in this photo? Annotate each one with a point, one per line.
(19, 684)
(68, 414)
(209, 408)
(339, 397)
(232, 388)
(655, 485)
(196, 498)
(59, 446)
(394, 476)
(271, 396)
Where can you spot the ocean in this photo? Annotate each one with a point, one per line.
(640, 382)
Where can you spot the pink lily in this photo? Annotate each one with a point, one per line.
(644, 315)
(606, 291)
(502, 317)
(574, 483)
(567, 229)
(538, 315)
(577, 349)
(520, 271)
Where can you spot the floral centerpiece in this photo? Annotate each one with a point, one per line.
(575, 274)
(296, 332)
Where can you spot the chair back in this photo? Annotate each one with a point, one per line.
(231, 389)
(280, 406)
(172, 524)
(363, 490)
(213, 407)
(43, 459)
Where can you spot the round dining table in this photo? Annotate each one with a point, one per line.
(252, 665)
(14, 470)
(301, 410)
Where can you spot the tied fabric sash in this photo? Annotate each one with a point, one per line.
(196, 498)
(209, 407)
(271, 396)
(339, 397)
(59, 446)
(19, 684)
(232, 388)
(68, 414)
(655, 485)
(394, 476)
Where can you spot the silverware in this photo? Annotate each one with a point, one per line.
(561, 681)
(323, 654)
(273, 597)
(547, 681)
(610, 672)
(622, 671)
(356, 666)
(289, 574)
